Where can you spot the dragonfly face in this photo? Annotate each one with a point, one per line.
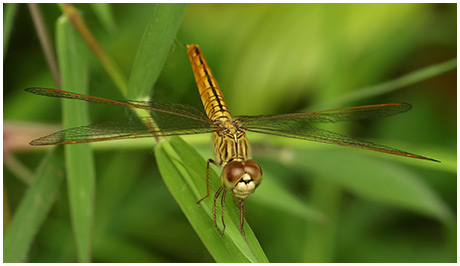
(240, 175)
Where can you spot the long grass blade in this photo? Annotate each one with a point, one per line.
(8, 22)
(79, 158)
(392, 85)
(104, 13)
(34, 208)
(154, 49)
(183, 171)
(376, 180)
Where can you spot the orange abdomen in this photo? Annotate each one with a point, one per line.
(211, 96)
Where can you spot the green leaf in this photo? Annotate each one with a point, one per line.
(34, 208)
(79, 158)
(104, 14)
(392, 85)
(154, 49)
(375, 179)
(8, 21)
(184, 172)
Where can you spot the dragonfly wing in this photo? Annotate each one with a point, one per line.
(166, 108)
(333, 116)
(293, 129)
(126, 129)
(166, 120)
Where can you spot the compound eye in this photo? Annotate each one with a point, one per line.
(233, 171)
(253, 169)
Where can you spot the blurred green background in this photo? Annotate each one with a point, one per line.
(268, 59)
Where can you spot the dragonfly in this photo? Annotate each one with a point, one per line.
(240, 174)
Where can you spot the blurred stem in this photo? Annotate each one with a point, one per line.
(10, 14)
(107, 62)
(392, 85)
(15, 166)
(45, 42)
(321, 238)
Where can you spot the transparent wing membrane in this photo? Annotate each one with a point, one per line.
(166, 120)
(332, 116)
(167, 108)
(176, 119)
(126, 129)
(293, 128)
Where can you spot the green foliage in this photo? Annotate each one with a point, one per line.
(79, 158)
(34, 207)
(154, 49)
(390, 183)
(105, 15)
(10, 13)
(182, 170)
(317, 203)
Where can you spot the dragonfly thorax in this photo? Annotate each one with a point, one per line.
(230, 143)
(227, 126)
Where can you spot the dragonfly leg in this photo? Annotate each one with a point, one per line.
(207, 179)
(214, 210)
(241, 206)
(237, 204)
(222, 204)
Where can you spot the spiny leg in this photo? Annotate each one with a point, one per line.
(241, 206)
(207, 179)
(214, 209)
(237, 204)
(222, 204)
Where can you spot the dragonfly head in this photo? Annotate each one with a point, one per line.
(241, 177)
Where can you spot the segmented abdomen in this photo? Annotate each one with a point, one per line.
(211, 96)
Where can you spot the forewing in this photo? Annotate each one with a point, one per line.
(166, 108)
(332, 116)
